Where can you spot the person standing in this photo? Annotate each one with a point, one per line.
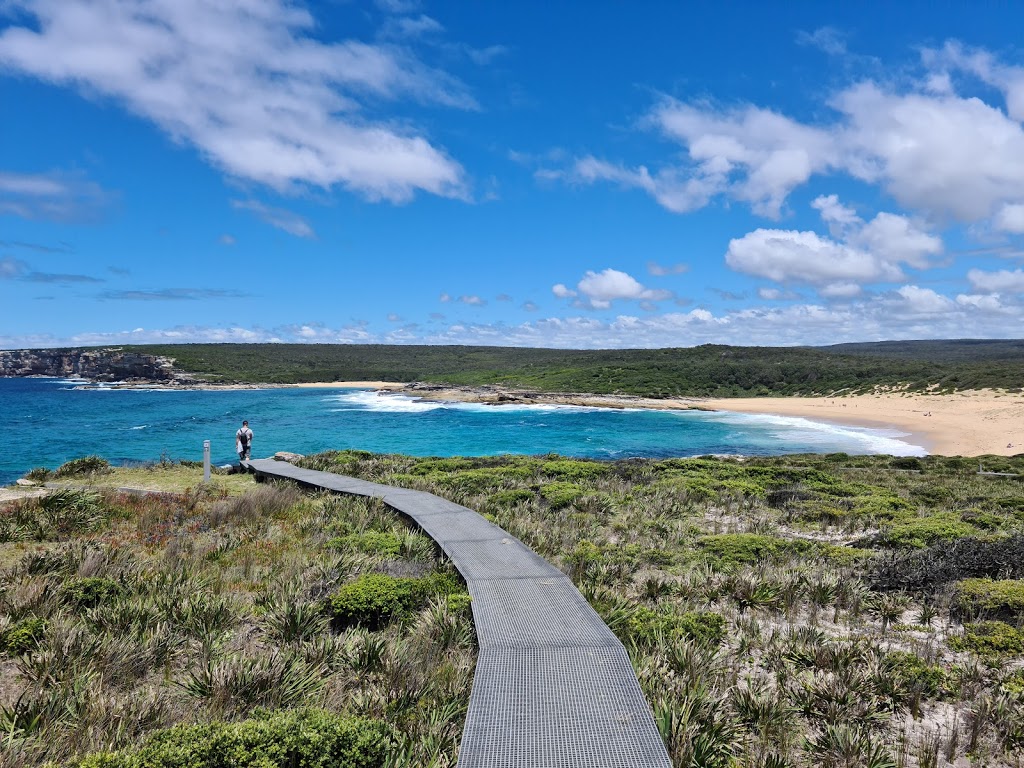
(243, 441)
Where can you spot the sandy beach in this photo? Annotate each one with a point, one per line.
(964, 424)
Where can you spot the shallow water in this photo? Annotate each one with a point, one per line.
(48, 421)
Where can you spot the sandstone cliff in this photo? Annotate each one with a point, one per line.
(96, 364)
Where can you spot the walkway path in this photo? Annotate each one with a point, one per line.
(554, 688)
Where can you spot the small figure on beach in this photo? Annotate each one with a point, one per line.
(243, 441)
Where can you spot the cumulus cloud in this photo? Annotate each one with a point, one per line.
(1002, 281)
(943, 152)
(279, 218)
(60, 197)
(1011, 218)
(473, 301)
(250, 86)
(598, 290)
(862, 252)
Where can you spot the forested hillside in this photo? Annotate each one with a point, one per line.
(708, 370)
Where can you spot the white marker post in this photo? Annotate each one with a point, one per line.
(206, 461)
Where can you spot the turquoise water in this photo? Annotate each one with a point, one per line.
(48, 421)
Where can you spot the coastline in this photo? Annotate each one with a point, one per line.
(973, 423)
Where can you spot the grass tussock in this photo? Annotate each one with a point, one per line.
(796, 611)
(136, 630)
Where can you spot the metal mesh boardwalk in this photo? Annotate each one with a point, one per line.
(554, 688)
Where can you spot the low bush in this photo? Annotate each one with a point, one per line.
(561, 494)
(387, 545)
(989, 639)
(913, 674)
(309, 738)
(39, 474)
(572, 469)
(921, 532)
(87, 465)
(374, 599)
(511, 497)
(742, 548)
(988, 598)
(931, 569)
(90, 592)
(22, 636)
(646, 626)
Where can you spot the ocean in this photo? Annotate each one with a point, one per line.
(46, 422)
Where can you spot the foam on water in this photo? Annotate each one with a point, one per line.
(788, 428)
(387, 402)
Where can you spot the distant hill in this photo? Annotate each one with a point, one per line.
(705, 371)
(709, 370)
(939, 351)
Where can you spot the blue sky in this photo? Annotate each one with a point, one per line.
(536, 174)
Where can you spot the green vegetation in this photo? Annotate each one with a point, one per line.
(375, 599)
(991, 640)
(790, 611)
(310, 738)
(989, 598)
(708, 370)
(194, 628)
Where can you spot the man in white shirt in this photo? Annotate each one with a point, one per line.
(243, 441)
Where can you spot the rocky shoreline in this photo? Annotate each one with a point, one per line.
(498, 396)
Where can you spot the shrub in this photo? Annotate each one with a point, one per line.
(39, 474)
(374, 599)
(742, 548)
(646, 626)
(22, 636)
(310, 738)
(511, 497)
(925, 531)
(571, 469)
(387, 545)
(930, 569)
(988, 598)
(87, 465)
(913, 674)
(90, 592)
(989, 639)
(560, 494)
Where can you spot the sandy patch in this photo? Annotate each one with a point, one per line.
(965, 424)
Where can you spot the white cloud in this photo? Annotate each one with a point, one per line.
(805, 257)
(473, 301)
(776, 294)
(60, 197)
(861, 253)
(599, 289)
(1003, 281)
(938, 151)
(444, 298)
(826, 39)
(1011, 218)
(279, 218)
(248, 85)
(226, 240)
(924, 301)
(659, 270)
